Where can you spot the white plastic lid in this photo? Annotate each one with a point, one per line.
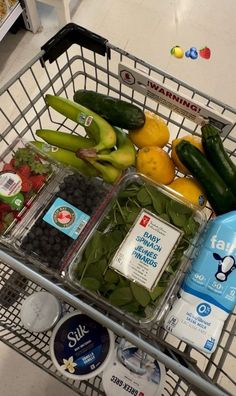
(80, 347)
(40, 311)
(121, 378)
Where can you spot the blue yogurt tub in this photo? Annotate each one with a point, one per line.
(80, 347)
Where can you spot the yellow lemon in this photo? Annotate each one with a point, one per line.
(155, 163)
(177, 52)
(190, 189)
(196, 141)
(154, 132)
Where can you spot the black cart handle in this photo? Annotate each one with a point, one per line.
(73, 34)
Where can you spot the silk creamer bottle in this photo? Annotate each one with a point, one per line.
(208, 292)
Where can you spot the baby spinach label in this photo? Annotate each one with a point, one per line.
(146, 251)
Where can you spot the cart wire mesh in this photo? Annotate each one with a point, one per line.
(22, 112)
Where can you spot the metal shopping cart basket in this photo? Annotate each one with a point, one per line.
(77, 58)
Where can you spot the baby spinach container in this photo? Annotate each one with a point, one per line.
(133, 259)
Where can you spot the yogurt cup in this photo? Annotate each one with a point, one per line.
(80, 347)
(133, 372)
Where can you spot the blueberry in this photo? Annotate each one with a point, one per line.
(82, 187)
(193, 55)
(38, 231)
(62, 195)
(56, 247)
(187, 54)
(51, 240)
(69, 198)
(53, 263)
(67, 180)
(29, 247)
(77, 193)
(62, 186)
(47, 247)
(53, 232)
(35, 243)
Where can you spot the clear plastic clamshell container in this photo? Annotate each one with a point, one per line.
(132, 261)
(66, 209)
(24, 176)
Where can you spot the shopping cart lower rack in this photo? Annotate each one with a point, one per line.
(93, 63)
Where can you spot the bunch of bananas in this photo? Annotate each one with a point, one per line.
(105, 153)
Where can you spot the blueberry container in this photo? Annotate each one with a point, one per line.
(68, 207)
(132, 261)
(24, 176)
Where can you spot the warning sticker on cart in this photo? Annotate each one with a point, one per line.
(172, 99)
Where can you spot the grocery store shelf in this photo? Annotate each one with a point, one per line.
(9, 20)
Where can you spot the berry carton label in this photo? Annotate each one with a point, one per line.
(146, 250)
(66, 218)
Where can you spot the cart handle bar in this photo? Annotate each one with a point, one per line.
(73, 34)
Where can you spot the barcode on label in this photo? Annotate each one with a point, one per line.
(81, 226)
(8, 184)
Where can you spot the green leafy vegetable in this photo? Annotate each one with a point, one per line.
(121, 296)
(141, 295)
(90, 283)
(143, 197)
(111, 276)
(93, 270)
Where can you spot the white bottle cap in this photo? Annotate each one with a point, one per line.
(40, 312)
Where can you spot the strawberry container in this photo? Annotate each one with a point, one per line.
(132, 261)
(24, 175)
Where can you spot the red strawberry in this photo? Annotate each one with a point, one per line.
(8, 167)
(37, 182)
(205, 53)
(26, 184)
(24, 170)
(12, 162)
(4, 207)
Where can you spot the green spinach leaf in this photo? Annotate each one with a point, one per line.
(121, 296)
(90, 283)
(140, 294)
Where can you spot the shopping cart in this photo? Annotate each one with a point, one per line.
(77, 58)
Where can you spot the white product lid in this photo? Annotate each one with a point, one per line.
(119, 378)
(40, 311)
(80, 347)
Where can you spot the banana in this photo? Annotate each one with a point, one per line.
(64, 140)
(66, 157)
(121, 158)
(96, 126)
(109, 173)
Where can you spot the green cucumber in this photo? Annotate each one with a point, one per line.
(117, 112)
(218, 193)
(218, 157)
